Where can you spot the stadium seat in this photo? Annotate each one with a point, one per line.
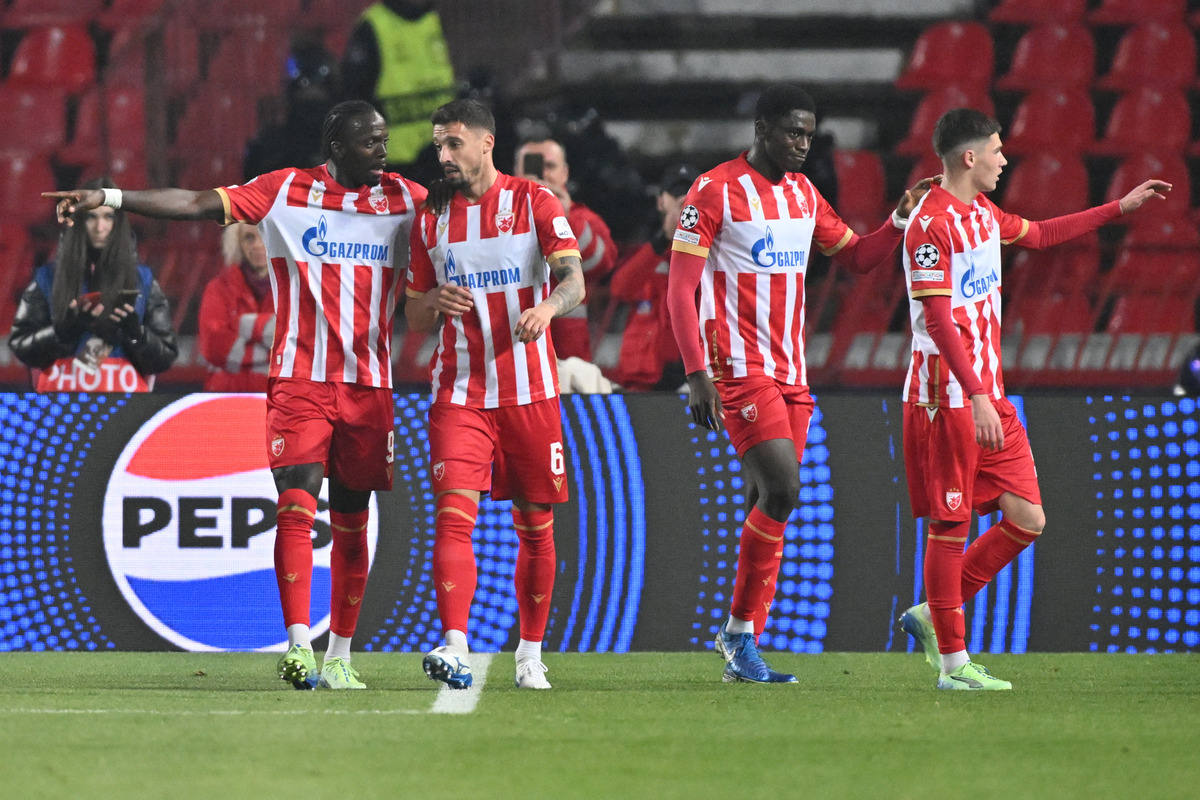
(181, 46)
(1033, 12)
(1132, 12)
(107, 117)
(1136, 169)
(1046, 185)
(1155, 278)
(253, 51)
(32, 13)
(931, 107)
(1158, 120)
(1153, 54)
(1072, 266)
(55, 56)
(35, 118)
(861, 188)
(949, 52)
(16, 268)
(24, 177)
(1052, 56)
(926, 167)
(1052, 120)
(129, 13)
(1049, 312)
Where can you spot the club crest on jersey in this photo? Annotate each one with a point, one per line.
(927, 255)
(277, 446)
(765, 255)
(689, 217)
(505, 221)
(750, 412)
(439, 470)
(379, 203)
(954, 499)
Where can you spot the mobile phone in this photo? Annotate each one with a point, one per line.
(91, 298)
(534, 164)
(126, 297)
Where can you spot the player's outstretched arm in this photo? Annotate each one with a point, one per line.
(156, 203)
(568, 271)
(1140, 194)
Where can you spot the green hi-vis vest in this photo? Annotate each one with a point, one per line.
(415, 78)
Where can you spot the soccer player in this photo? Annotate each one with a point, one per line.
(744, 240)
(964, 447)
(336, 237)
(481, 271)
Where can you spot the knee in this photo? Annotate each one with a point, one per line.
(1031, 518)
(779, 494)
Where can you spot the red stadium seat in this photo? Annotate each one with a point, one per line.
(181, 45)
(1052, 56)
(949, 52)
(931, 107)
(1158, 120)
(31, 13)
(55, 56)
(24, 177)
(926, 167)
(34, 119)
(861, 188)
(1152, 312)
(107, 117)
(1153, 54)
(1139, 168)
(1046, 185)
(1052, 120)
(1132, 12)
(1070, 267)
(1033, 12)
(1049, 312)
(128, 13)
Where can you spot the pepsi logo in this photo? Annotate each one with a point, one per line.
(189, 528)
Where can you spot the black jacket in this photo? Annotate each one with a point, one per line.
(36, 343)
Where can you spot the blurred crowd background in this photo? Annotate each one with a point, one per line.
(641, 95)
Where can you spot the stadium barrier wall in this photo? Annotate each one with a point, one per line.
(144, 522)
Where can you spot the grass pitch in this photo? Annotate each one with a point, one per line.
(646, 725)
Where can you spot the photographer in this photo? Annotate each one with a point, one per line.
(94, 320)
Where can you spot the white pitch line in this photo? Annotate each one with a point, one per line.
(463, 701)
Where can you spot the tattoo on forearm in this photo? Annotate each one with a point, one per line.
(569, 292)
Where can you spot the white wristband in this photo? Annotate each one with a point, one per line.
(112, 198)
(899, 221)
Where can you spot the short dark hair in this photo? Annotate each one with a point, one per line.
(468, 111)
(337, 123)
(958, 126)
(782, 99)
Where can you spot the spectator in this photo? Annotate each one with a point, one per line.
(596, 248)
(237, 315)
(649, 357)
(95, 320)
(312, 87)
(398, 60)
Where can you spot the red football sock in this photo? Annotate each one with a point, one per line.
(349, 561)
(294, 554)
(991, 553)
(534, 579)
(454, 571)
(943, 583)
(759, 554)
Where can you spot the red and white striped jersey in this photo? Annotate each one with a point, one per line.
(756, 237)
(953, 249)
(497, 248)
(336, 258)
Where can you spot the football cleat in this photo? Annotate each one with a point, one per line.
(746, 664)
(336, 673)
(443, 664)
(531, 674)
(298, 666)
(972, 677)
(725, 643)
(915, 622)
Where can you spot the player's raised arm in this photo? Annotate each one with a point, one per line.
(156, 203)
